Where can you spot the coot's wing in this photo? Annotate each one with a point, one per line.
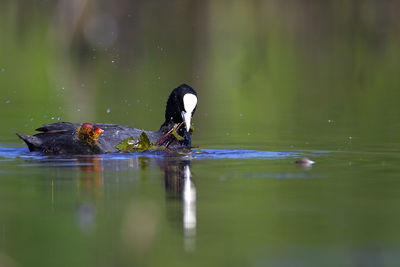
(52, 136)
(57, 127)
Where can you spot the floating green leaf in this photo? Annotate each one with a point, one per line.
(144, 142)
(127, 145)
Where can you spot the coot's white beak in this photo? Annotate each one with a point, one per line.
(189, 104)
(187, 118)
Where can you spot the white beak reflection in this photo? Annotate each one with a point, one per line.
(189, 210)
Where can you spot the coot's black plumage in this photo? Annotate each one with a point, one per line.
(64, 138)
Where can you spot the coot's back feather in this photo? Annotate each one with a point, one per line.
(67, 138)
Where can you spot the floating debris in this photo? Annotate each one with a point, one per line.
(131, 145)
(305, 162)
(144, 144)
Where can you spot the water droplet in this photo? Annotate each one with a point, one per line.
(82, 85)
(3, 69)
(108, 110)
(8, 102)
(31, 119)
(58, 118)
(330, 121)
(240, 115)
(52, 118)
(112, 61)
(78, 109)
(14, 91)
(159, 77)
(105, 82)
(62, 88)
(248, 133)
(350, 137)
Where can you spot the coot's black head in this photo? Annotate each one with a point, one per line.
(181, 106)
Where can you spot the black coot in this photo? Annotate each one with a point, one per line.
(65, 138)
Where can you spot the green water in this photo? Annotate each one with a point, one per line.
(283, 79)
(125, 211)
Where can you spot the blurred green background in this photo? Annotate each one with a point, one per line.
(268, 73)
(281, 75)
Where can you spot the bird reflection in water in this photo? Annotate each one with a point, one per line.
(179, 185)
(180, 190)
(189, 209)
(90, 183)
(90, 179)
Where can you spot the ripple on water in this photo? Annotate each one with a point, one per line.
(23, 152)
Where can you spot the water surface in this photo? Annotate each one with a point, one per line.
(258, 207)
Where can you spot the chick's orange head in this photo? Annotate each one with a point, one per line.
(97, 130)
